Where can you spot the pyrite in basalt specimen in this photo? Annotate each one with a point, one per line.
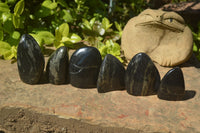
(142, 77)
(111, 75)
(84, 67)
(30, 60)
(172, 86)
(57, 66)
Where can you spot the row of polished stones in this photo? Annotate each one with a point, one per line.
(87, 70)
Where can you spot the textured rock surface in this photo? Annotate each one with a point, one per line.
(142, 77)
(116, 108)
(30, 60)
(172, 86)
(84, 67)
(155, 4)
(111, 75)
(162, 35)
(188, 10)
(57, 66)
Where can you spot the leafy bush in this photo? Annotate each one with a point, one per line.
(54, 23)
(73, 23)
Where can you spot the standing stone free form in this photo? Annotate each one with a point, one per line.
(172, 86)
(142, 77)
(84, 67)
(57, 66)
(111, 75)
(30, 60)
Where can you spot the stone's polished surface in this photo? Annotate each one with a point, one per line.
(111, 75)
(142, 77)
(30, 60)
(84, 67)
(172, 86)
(162, 35)
(57, 66)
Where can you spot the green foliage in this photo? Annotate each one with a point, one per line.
(110, 47)
(56, 23)
(64, 38)
(196, 44)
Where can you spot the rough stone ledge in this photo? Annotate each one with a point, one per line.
(112, 109)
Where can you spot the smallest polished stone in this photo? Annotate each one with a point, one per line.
(172, 86)
(111, 75)
(57, 66)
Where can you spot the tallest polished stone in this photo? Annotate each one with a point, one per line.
(30, 60)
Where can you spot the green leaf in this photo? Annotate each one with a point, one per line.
(86, 25)
(4, 7)
(118, 26)
(46, 36)
(63, 30)
(92, 21)
(74, 38)
(66, 16)
(38, 39)
(49, 4)
(43, 37)
(16, 35)
(58, 35)
(195, 49)
(16, 21)
(19, 8)
(11, 53)
(4, 47)
(46, 9)
(106, 23)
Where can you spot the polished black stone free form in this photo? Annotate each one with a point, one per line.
(84, 67)
(172, 85)
(57, 66)
(111, 75)
(142, 77)
(30, 60)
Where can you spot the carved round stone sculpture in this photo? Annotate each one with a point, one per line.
(162, 35)
(142, 77)
(172, 86)
(111, 75)
(30, 60)
(84, 67)
(57, 66)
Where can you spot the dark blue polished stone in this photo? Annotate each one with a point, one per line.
(30, 60)
(142, 77)
(84, 67)
(57, 66)
(111, 75)
(172, 86)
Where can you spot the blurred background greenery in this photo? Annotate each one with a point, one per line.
(71, 23)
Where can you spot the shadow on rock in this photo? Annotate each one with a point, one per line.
(193, 61)
(44, 79)
(189, 94)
